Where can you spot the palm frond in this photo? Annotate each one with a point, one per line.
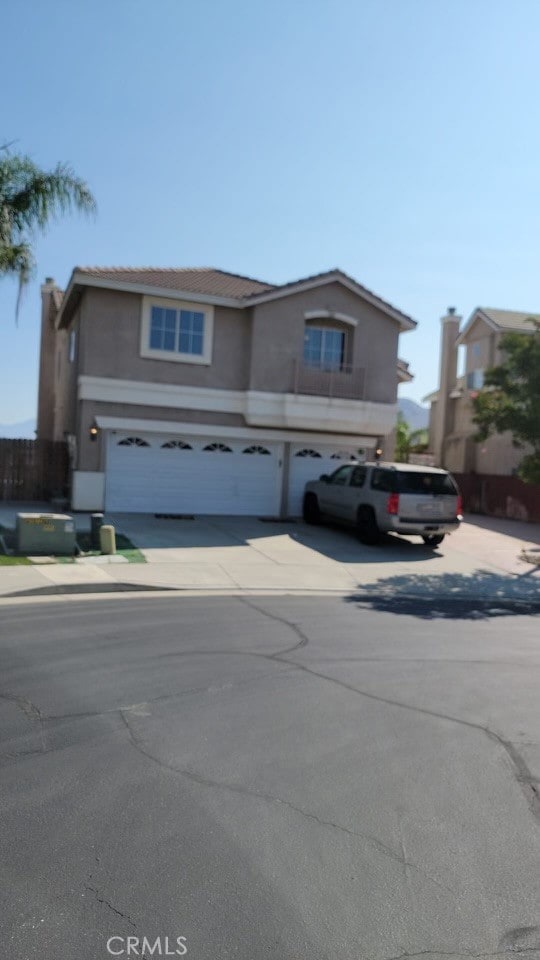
(29, 199)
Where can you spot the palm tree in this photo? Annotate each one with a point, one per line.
(29, 198)
(407, 440)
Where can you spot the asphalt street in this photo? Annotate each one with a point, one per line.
(286, 777)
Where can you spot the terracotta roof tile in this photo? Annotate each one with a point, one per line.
(207, 280)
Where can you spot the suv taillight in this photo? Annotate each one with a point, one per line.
(392, 505)
(459, 508)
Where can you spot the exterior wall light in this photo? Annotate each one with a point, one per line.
(93, 433)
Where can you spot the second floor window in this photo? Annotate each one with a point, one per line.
(475, 380)
(180, 331)
(324, 348)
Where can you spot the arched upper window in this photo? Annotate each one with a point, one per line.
(307, 453)
(176, 445)
(133, 442)
(256, 449)
(218, 448)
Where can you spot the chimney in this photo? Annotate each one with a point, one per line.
(447, 381)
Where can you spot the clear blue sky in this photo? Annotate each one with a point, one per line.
(396, 139)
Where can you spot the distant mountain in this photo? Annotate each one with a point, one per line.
(24, 430)
(416, 416)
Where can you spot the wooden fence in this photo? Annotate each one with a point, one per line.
(33, 469)
(498, 496)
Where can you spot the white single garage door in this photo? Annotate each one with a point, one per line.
(308, 462)
(150, 473)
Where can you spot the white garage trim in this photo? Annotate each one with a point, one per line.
(148, 394)
(259, 408)
(211, 430)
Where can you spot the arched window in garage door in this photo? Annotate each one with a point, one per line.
(307, 453)
(133, 442)
(176, 445)
(217, 448)
(257, 450)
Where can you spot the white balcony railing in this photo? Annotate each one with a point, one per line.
(345, 383)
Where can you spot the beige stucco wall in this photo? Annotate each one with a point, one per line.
(482, 339)
(110, 345)
(65, 392)
(278, 338)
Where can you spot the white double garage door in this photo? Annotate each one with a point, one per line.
(153, 473)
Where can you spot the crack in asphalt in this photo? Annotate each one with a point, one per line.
(521, 770)
(510, 951)
(31, 711)
(107, 903)
(238, 789)
(303, 639)
(519, 765)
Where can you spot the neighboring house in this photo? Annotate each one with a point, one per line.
(199, 391)
(451, 427)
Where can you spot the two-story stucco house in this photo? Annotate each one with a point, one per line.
(451, 427)
(199, 391)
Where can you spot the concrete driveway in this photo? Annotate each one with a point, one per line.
(244, 553)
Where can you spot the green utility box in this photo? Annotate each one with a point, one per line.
(45, 533)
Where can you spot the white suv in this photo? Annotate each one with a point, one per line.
(387, 498)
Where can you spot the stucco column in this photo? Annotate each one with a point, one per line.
(447, 381)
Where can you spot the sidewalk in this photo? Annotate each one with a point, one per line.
(245, 554)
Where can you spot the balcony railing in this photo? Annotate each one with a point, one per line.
(345, 383)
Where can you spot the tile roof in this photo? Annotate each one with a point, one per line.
(511, 319)
(340, 274)
(216, 283)
(207, 281)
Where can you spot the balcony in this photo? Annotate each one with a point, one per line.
(347, 383)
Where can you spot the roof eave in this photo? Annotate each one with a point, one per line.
(335, 276)
(477, 314)
(80, 279)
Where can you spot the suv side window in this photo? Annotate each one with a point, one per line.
(341, 476)
(383, 480)
(359, 477)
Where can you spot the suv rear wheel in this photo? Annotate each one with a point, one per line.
(366, 526)
(433, 539)
(311, 512)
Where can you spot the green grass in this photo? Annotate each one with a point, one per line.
(13, 561)
(124, 547)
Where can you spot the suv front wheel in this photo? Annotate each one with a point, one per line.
(311, 512)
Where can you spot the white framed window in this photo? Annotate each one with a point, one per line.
(324, 348)
(177, 330)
